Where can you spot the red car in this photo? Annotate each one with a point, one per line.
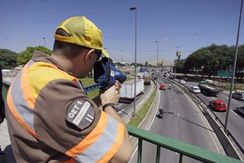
(218, 105)
(162, 86)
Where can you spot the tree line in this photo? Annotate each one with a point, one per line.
(211, 59)
(7, 59)
(10, 59)
(205, 61)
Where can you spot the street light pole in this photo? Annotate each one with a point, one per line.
(157, 62)
(178, 54)
(157, 52)
(234, 69)
(176, 50)
(134, 109)
(121, 55)
(44, 39)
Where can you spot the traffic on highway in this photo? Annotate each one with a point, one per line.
(179, 116)
(217, 104)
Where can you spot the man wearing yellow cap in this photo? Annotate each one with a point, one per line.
(50, 118)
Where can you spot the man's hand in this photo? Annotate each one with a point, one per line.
(117, 85)
(111, 95)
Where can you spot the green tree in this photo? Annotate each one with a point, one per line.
(26, 55)
(7, 59)
(209, 60)
(197, 60)
(240, 62)
(180, 66)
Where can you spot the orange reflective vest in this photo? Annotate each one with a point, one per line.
(99, 145)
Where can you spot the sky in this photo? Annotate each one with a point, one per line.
(177, 25)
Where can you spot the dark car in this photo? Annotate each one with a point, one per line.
(218, 105)
(240, 109)
(239, 95)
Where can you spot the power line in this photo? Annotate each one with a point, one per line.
(168, 36)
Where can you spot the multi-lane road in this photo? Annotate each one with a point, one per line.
(183, 121)
(235, 124)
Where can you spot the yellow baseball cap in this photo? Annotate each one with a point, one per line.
(82, 32)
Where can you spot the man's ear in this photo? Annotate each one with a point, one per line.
(89, 56)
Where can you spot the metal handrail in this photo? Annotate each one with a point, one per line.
(5, 87)
(184, 149)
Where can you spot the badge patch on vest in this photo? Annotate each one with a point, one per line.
(81, 114)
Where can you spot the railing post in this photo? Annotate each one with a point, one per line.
(139, 156)
(181, 158)
(158, 154)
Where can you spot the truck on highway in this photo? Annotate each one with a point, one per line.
(143, 69)
(140, 75)
(208, 88)
(147, 79)
(127, 90)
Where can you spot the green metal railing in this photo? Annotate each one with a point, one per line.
(4, 90)
(180, 147)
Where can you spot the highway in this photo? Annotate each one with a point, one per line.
(182, 121)
(235, 120)
(125, 110)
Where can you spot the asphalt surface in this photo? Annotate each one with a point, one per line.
(182, 121)
(235, 120)
(5, 142)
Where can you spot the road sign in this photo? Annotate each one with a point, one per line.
(223, 73)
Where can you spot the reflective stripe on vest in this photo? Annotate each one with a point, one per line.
(101, 144)
(20, 99)
(18, 105)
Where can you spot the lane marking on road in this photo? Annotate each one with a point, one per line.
(211, 134)
(175, 101)
(154, 116)
(155, 112)
(233, 112)
(119, 105)
(204, 120)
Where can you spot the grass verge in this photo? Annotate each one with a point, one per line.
(143, 111)
(87, 82)
(139, 115)
(236, 86)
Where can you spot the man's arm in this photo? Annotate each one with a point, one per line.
(97, 101)
(125, 149)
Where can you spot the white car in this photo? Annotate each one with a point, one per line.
(182, 81)
(195, 89)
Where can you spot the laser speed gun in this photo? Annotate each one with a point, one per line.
(105, 75)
